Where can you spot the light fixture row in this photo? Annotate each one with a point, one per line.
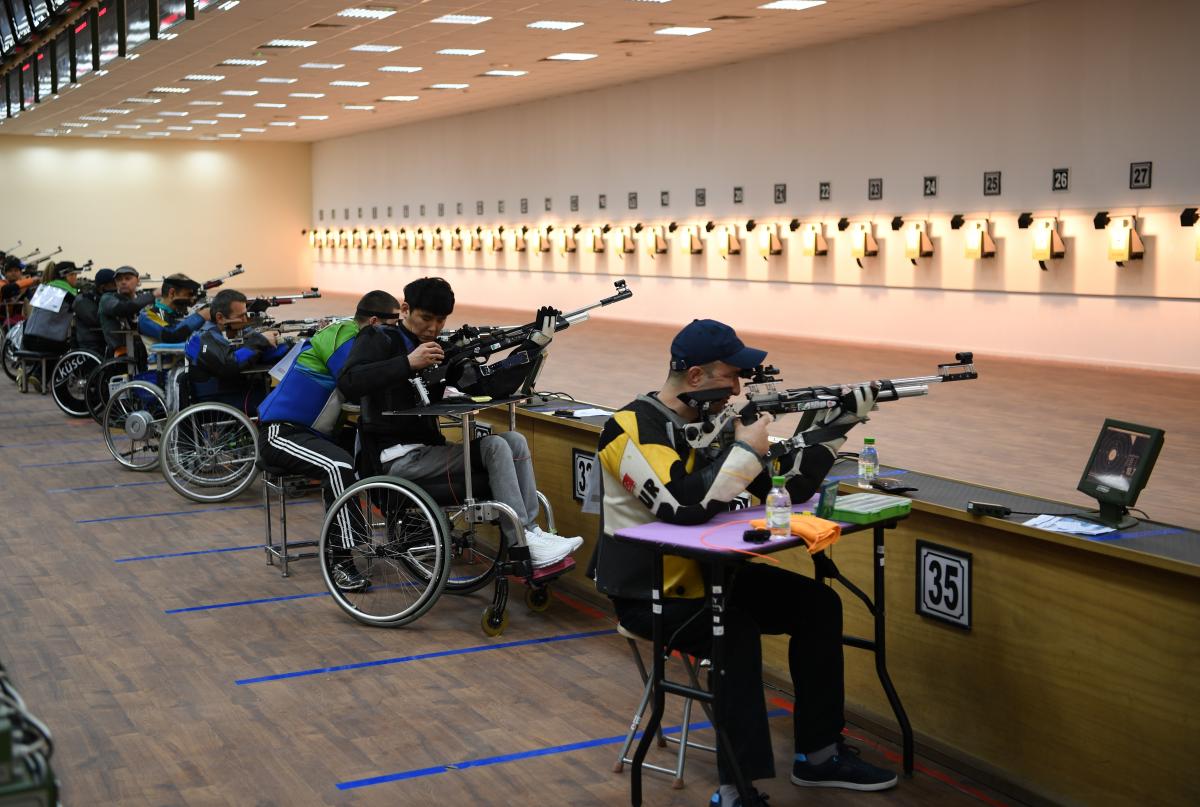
(1124, 242)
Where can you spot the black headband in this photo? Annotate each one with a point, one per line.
(363, 313)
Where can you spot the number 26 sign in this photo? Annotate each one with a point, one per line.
(944, 584)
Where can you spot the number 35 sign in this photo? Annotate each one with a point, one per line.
(944, 584)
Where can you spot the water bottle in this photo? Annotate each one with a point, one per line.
(779, 508)
(868, 463)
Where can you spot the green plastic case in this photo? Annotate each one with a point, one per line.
(868, 508)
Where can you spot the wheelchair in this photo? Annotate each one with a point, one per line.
(69, 379)
(106, 377)
(8, 354)
(136, 411)
(414, 542)
(208, 452)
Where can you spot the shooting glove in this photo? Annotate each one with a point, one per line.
(258, 306)
(546, 319)
(834, 423)
(257, 341)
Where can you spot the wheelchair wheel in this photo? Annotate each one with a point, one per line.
(69, 380)
(391, 526)
(8, 356)
(96, 391)
(134, 418)
(474, 558)
(207, 452)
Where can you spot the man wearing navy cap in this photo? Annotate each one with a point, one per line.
(88, 333)
(650, 473)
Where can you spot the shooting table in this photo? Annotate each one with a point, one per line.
(716, 543)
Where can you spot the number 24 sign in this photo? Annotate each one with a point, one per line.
(944, 584)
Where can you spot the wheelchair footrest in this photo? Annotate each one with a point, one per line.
(548, 573)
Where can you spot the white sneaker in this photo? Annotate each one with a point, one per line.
(574, 542)
(543, 551)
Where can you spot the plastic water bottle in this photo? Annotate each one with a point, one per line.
(868, 463)
(779, 508)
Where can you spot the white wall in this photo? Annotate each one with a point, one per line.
(196, 208)
(1087, 84)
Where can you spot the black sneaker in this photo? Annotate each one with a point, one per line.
(756, 800)
(347, 578)
(845, 770)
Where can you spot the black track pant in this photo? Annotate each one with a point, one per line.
(763, 599)
(299, 451)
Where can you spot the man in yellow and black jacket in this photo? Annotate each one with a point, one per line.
(649, 473)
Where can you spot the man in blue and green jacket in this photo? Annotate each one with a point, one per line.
(297, 420)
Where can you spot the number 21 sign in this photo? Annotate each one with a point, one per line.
(944, 584)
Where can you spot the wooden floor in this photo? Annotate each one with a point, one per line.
(150, 702)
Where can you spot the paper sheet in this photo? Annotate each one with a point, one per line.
(1067, 524)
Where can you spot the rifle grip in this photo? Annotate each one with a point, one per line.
(748, 415)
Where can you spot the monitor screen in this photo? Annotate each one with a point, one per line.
(62, 57)
(59, 5)
(8, 40)
(1119, 467)
(20, 19)
(171, 13)
(137, 23)
(39, 13)
(45, 74)
(110, 34)
(83, 46)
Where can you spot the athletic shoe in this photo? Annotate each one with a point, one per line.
(347, 578)
(756, 800)
(543, 550)
(573, 542)
(845, 770)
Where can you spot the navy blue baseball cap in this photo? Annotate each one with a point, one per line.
(706, 340)
(105, 276)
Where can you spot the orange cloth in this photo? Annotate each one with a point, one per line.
(818, 533)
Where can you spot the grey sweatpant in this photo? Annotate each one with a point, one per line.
(506, 458)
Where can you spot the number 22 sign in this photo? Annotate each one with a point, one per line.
(944, 584)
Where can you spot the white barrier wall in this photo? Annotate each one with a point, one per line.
(1089, 85)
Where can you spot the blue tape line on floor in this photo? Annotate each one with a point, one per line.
(188, 554)
(519, 755)
(462, 651)
(196, 512)
(68, 462)
(236, 603)
(52, 443)
(106, 487)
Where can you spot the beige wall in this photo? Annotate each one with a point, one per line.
(197, 208)
(1084, 84)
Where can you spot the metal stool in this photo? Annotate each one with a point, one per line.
(35, 357)
(692, 665)
(277, 484)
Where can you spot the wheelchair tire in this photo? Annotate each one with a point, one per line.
(134, 418)
(473, 564)
(96, 392)
(69, 380)
(8, 356)
(208, 451)
(392, 523)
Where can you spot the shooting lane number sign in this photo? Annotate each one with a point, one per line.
(581, 468)
(944, 584)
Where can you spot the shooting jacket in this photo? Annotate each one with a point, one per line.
(117, 314)
(216, 366)
(649, 472)
(88, 334)
(307, 396)
(161, 323)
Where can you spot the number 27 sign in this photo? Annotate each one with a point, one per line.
(944, 584)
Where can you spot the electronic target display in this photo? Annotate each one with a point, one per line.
(39, 14)
(137, 23)
(8, 40)
(110, 31)
(20, 19)
(1120, 454)
(62, 59)
(171, 13)
(28, 84)
(83, 46)
(45, 75)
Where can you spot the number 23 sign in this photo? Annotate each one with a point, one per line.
(944, 584)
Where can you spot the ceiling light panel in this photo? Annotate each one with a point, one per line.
(349, 83)
(792, 5)
(399, 98)
(376, 48)
(171, 90)
(231, 114)
(240, 93)
(203, 77)
(571, 57)
(290, 43)
(206, 103)
(461, 19)
(460, 52)
(270, 80)
(507, 73)
(174, 114)
(367, 13)
(448, 86)
(554, 25)
(396, 68)
(681, 30)
(244, 62)
(322, 66)
(306, 95)
(282, 123)
(314, 117)
(271, 106)
(113, 111)
(358, 107)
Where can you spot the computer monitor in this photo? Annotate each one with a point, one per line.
(1120, 466)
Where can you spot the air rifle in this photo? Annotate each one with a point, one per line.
(34, 258)
(464, 349)
(14, 246)
(806, 399)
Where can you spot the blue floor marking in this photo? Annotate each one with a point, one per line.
(96, 440)
(68, 462)
(106, 487)
(195, 512)
(188, 554)
(424, 656)
(246, 602)
(482, 762)
(1125, 534)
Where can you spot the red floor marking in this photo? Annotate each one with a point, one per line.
(893, 756)
(582, 607)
